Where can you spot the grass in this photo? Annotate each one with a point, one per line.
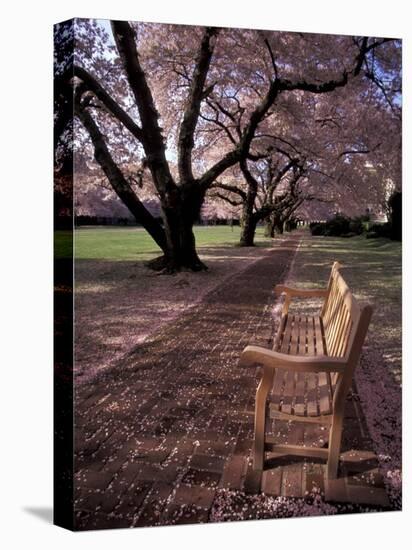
(369, 265)
(128, 244)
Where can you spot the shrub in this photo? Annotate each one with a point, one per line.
(393, 228)
(291, 224)
(356, 226)
(378, 230)
(341, 226)
(317, 228)
(337, 226)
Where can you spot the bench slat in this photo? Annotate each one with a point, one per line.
(330, 302)
(300, 394)
(332, 329)
(340, 331)
(303, 329)
(319, 340)
(325, 394)
(341, 350)
(285, 343)
(288, 392)
(299, 406)
(294, 337)
(312, 395)
(311, 336)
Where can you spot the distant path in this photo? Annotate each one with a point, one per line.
(159, 433)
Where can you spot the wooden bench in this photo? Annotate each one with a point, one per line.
(309, 369)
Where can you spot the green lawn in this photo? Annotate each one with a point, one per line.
(372, 266)
(125, 243)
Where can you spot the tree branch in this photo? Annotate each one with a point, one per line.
(221, 125)
(216, 104)
(226, 199)
(329, 86)
(279, 139)
(276, 87)
(292, 163)
(152, 138)
(372, 77)
(112, 106)
(231, 188)
(117, 180)
(218, 168)
(272, 57)
(359, 151)
(250, 179)
(192, 110)
(314, 88)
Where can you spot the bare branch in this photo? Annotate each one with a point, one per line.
(226, 199)
(221, 125)
(231, 188)
(329, 86)
(272, 57)
(372, 77)
(112, 106)
(359, 151)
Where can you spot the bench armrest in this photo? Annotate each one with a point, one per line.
(298, 292)
(273, 359)
(302, 292)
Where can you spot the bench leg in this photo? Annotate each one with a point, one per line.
(335, 438)
(260, 418)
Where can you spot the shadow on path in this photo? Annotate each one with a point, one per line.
(157, 435)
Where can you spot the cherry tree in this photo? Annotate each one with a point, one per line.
(316, 150)
(178, 92)
(269, 187)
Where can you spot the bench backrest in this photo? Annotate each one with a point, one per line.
(345, 324)
(337, 314)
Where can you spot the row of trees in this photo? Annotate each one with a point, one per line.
(264, 121)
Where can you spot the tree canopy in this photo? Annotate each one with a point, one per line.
(174, 112)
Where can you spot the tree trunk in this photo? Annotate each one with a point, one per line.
(248, 224)
(279, 227)
(268, 227)
(179, 213)
(181, 245)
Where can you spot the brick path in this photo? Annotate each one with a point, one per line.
(159, 434)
